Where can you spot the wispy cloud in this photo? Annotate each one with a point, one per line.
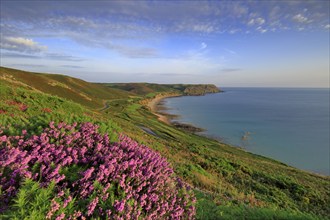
(100, 20)
(72, 66)
(63, 57)
(301, 19)
(135, 52)
(175, 74)
(205, 28)
(256, 21)
(49, 56)
(261, 30)
(203, 46)
(229, 70)
(231, 52)
(21, 44)
(121, 26)
(27, 65)
(18, 55)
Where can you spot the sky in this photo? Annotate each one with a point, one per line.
(227, 43)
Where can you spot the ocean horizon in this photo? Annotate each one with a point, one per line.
(290, 125)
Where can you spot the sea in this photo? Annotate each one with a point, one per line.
(290, 125)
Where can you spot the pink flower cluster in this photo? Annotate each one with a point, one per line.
(121, 180)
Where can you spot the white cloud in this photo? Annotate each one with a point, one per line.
(135, 52)
(21, 44)
(191, 25)
(260, 21)
(251, 22)
(300, 18)
(74, 21)
(203, 45)
(327, 26)
(238, 10)
(256, 21)
(203, 28)
(231, 52)
(234, 31)
(261, 30)
(49, 56)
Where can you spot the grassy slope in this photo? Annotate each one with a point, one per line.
(230, 183)
(140, 88)
(150, 89)
(87, 94)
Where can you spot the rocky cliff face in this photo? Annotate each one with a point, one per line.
(200, 89)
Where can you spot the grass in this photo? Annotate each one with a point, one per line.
(149, 90)
(234, 176)
(88, 94)
(230, 183)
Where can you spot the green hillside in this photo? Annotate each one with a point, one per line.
(88, 94)
(229, 183)
(151, 88)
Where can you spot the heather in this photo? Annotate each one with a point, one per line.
(229, 183)
(24, 109)
(83, 175)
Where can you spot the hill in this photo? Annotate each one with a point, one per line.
(229, 183)
(149, 89)
(88, 94)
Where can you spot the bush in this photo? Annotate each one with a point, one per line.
(93, 177)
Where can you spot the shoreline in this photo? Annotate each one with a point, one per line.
(155, 106)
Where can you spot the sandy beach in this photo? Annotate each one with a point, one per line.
(153, 103)
(155, 108)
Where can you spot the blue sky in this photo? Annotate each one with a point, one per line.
(228, 43)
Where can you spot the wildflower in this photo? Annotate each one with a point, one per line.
(92, 206)
(66, 202)
(139, 178)
(60, 217)
(54, 207)
(3, 138)
(76, 214)
(119, 206)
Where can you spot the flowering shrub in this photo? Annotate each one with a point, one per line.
(93, 177)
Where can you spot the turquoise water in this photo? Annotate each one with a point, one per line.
(290, 125)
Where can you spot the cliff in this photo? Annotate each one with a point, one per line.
(201, 89)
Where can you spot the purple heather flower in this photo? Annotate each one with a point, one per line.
(60, 217)
(66, 202)
(119, 206)
(92, 206)
(54, 207)
(76, 214)
(61, 193)
(134, 167)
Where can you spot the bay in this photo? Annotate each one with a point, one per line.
(289, 125)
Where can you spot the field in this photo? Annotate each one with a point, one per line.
(228, 182)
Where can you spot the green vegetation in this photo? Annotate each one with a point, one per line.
(76, 90)
(150, 89)
(32, 202)
(229, 182)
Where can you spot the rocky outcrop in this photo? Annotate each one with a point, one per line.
(200, 89)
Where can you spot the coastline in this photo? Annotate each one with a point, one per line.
(243, 142)
(155, 106)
